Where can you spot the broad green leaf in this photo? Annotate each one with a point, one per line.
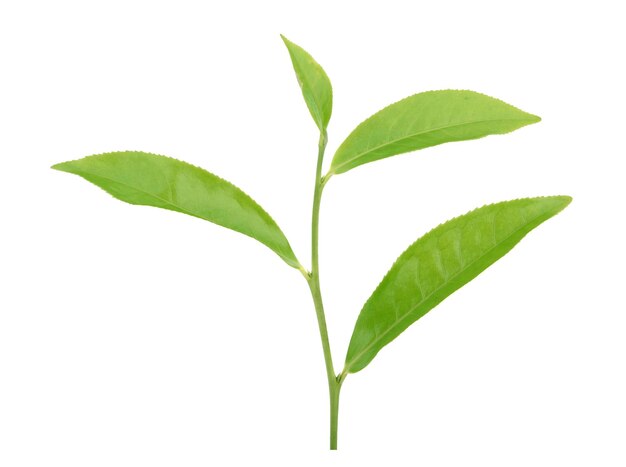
(152, 180)
(424, 120)
(440, 262)
(314, 83)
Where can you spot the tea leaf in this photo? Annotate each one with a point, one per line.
(314, 83)
(152, 180)
(437, 264)
(424, 120)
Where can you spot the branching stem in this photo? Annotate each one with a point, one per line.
(313, 279)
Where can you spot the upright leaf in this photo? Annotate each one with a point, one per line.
(424, 120)
(163, 182)
(439, 263)
(314, 83)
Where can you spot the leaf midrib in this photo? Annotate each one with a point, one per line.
(395, 324)
(180, 209)
(389, 143)
(319, 119)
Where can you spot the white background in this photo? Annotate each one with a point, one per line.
(132, 336)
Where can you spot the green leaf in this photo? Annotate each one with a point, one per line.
(152, 180)
(424, 120)
(440, 262)
(314, 83)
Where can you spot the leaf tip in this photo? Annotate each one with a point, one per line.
(61, 166)
(556, 203)
(287, 42)
(566, 200)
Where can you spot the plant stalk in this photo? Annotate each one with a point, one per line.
(313, 279)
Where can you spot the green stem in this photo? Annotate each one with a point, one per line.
(334, 414)
(313, 279)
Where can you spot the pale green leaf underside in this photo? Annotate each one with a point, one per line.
(152, 180)
(314, 82)
(424, 120)
(439, 263)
